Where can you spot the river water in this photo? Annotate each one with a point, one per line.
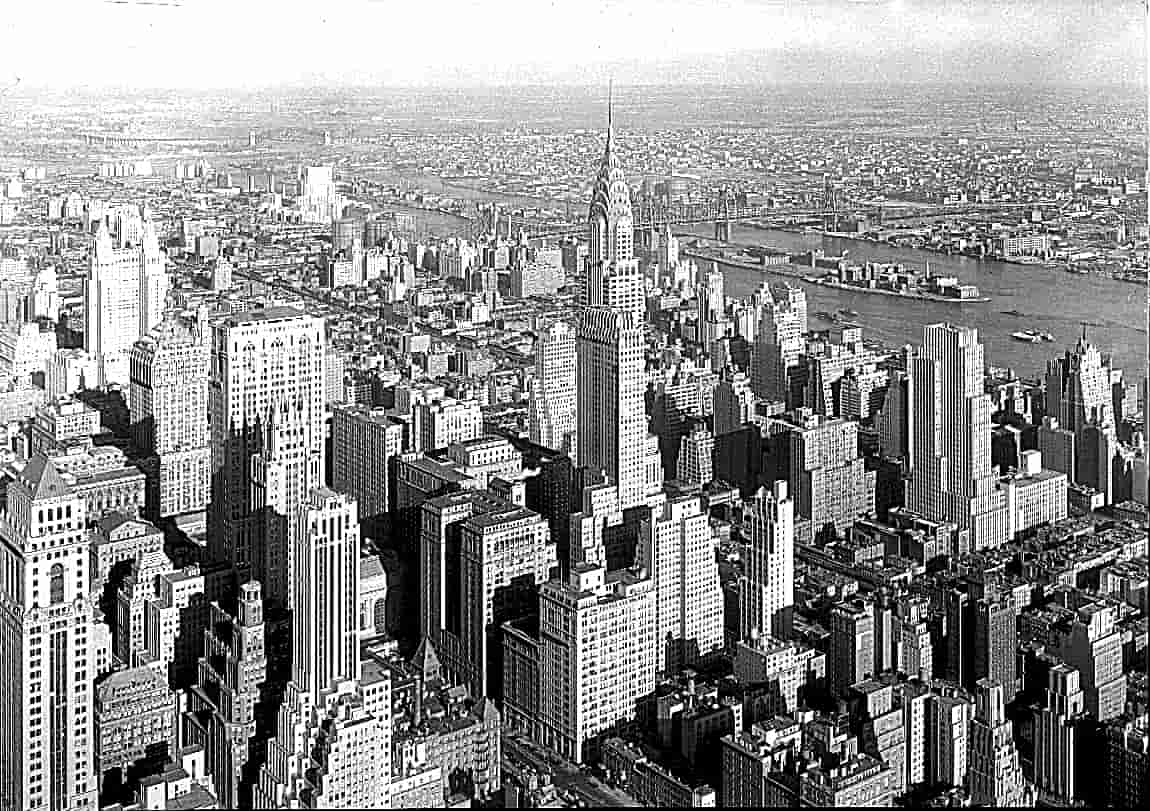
(1052, 301)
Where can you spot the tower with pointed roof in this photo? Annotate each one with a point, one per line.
(124, 296)
(1079, 395)
(613, 276)
(47, 662)
(610, 344)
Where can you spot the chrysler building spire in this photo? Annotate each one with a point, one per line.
(610, 122)
(610, 217)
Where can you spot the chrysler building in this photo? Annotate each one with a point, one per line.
(613, 276)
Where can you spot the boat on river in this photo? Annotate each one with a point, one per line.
(1026, 335)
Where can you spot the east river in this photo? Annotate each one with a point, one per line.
(1051, 301)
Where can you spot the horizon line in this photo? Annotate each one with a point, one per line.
(24, 88)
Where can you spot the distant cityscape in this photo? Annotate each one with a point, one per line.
(791, 453)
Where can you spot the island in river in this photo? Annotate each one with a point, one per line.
(876, 278)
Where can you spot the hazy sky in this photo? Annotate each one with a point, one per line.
(256, 43)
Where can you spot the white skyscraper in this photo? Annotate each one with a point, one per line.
(47, 660)
(333, 738)
(124, 295)
(168, 400)
(613, 275)
(949, 435)
(319, 201)
(767, 585)
(827, 477)
(677, 549)
(596, 657)
(668, 253)
(711, 298)
(696, 451)
(326, 547)
(1078, 388)
(711, 306)
(612, 409)
(261, 360)
(553, 394)
(778, 342)
(440, 423)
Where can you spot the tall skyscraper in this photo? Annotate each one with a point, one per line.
(333, 731)
(47, 659)
(914, 697)
(894, 418)
(224, 704)
(124, 295)
(996, 644)
(319, 201)
(1078, 390)
(948, 738)
(596, 657)
(363, 440)
(1093, 645)
(283, 472)
(482, 560)
(851, 657)
(711, 308)
(612, 415)
(168, 400)
(505, 555)
(1057, 736)
(677, 549)
(981, 638)
(711, 298)
(264, 363)
(553, 393)
(951, 478)
(778, 342)
(667, 254)
(614, 279)
(325, 649)
(1079, 396)
(767, 585)
(696, 457)
(995, 774)
(734, 402)
(827, 477)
